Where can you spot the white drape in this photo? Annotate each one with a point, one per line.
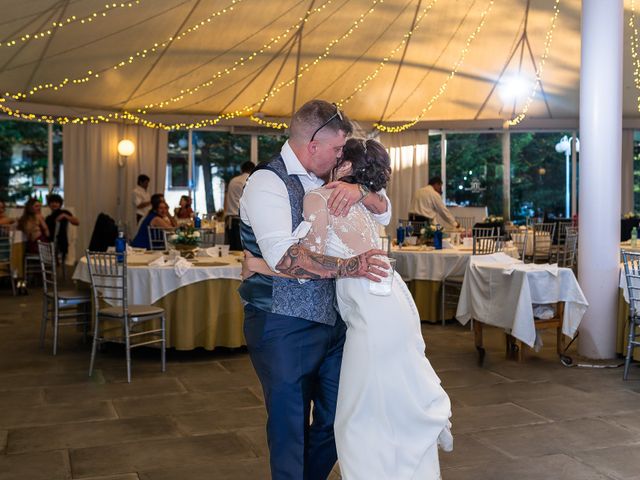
(91, 172)
(409, 152)
(627, 171)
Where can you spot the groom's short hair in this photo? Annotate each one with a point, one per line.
(313, 115)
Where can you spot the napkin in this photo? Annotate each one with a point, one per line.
(213, 251)
(181, 266)
(532, 267)
(158, 262)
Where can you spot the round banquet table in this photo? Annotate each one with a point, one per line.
(202, 307)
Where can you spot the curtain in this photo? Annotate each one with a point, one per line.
(409, 152)
(627, 171)
(93, 180)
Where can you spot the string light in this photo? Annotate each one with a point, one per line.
(247, 110)
(57, 25)
(425, 11)
(363, 84)
(538, 80)
(241, 62)
(139, 55)
(444, 85)
(269, 124)
(634, 50)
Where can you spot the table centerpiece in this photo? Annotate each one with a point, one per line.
(186, 240)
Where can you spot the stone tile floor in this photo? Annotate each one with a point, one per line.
(204, 419)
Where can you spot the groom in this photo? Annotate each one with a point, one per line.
(294, 334)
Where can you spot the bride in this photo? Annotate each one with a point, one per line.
(392, 412)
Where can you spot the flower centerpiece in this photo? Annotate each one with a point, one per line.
(427, 233)
(186, 240)
(493, 219)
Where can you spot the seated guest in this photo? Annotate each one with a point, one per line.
(4, 219)
(184, 211)
(64, 217)
(32, 224)
(158, 217)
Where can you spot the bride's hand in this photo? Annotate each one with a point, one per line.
(343, 197)
(367, 264)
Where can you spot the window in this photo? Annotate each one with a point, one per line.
(24, 150)
(538, 175)
(636, 172)
(269, 146)
(435, 155)
(474, 170)
(217, 159)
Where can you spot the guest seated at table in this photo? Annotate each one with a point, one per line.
(158, 217)
(64, 218)
(33, 225)
(4, 219)
(184, 211)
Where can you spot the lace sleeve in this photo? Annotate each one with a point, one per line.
(316, 213)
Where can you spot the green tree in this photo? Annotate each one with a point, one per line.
(17, 174)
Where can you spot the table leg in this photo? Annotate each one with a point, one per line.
(477, 335)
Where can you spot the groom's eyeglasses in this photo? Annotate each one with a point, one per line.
(338, 114)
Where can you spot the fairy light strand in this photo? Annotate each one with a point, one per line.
(72, 19)
(443, 87)
(634, 50)
(425, 11)
(539, 71)
(92, 74)
(237, 64)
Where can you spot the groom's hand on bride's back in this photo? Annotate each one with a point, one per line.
(370, 264)
(343, 197)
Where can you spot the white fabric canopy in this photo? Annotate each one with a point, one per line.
(199, 57)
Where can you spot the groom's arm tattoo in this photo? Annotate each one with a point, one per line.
(302, 263)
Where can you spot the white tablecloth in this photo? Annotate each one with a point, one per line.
(146, 284)
(416, 263)
(412, 263)
(500, 291)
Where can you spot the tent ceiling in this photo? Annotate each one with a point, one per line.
(397, 93)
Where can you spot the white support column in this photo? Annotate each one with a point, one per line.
(254, 148)
(50, 158)
(190, 160)
(506, 174)
(600, 165)
(574, 174)
(443, 165)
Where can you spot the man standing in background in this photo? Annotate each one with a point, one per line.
(427, 203)
(232, 206)
(141, 197)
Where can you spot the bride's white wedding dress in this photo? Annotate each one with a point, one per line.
(392, 412)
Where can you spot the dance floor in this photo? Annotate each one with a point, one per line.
(204, 417)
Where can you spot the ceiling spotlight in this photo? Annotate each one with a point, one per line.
(513, 88)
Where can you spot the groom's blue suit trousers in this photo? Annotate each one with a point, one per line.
(297, 362)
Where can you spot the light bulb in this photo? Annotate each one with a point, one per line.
(126, 148)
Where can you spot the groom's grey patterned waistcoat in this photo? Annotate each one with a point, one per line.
(313, 300)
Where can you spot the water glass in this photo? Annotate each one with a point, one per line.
(224, 250)
(383, 288)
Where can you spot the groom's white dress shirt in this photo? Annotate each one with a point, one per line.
(265, 206)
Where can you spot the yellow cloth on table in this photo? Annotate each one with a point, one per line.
(17, 258)
(426, 294)
(622, 332)
(205, 314)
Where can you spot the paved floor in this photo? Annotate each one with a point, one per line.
(203, 418)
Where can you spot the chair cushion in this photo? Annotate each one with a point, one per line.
(134, 311)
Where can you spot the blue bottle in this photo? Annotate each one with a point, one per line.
(197, 222)
(400, 232)
(437, 239)
(121, 246)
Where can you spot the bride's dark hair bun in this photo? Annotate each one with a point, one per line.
(370, 163)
